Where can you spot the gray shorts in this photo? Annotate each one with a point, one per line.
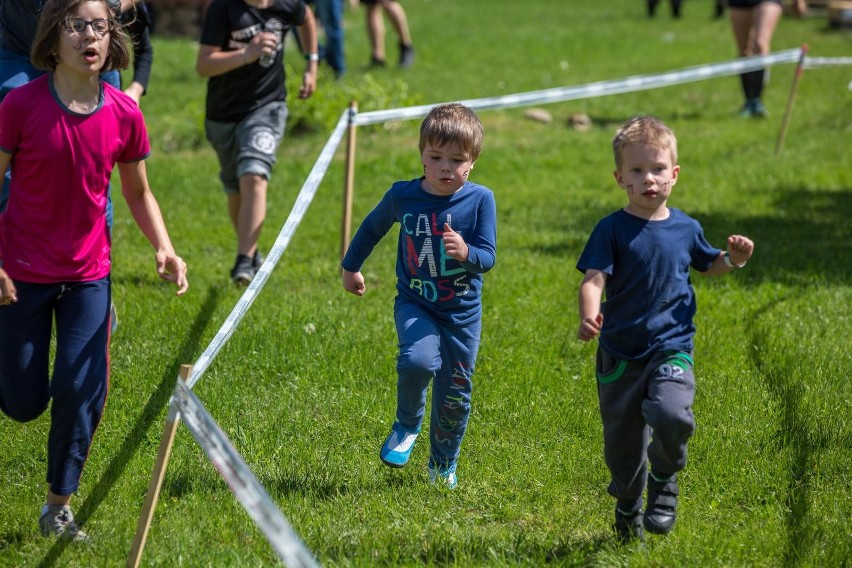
(248, 146)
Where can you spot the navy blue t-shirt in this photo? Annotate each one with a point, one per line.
(650, 303)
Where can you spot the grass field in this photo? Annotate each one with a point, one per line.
(305, 388)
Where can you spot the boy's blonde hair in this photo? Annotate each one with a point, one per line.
(452, 123)
(644, 129)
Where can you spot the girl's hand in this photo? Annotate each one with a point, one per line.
(172, 268)
(8, 292)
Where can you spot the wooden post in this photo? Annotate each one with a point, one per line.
(800, 67)
(156, 482)
(349, 182)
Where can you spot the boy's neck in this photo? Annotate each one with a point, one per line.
(659, 214)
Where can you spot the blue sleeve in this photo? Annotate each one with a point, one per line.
(482, 247)
(703, 253)
(598, 253)
(375, 226)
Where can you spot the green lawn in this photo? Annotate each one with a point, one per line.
(305, 388)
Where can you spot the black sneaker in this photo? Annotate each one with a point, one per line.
(406, 55)
(243, 271)
(376, 63)
(662, 504)
(257, 260)
(628, 526)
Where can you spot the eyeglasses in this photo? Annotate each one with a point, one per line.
(101, 26)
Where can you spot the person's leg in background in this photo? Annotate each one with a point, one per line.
(396, 14)
(376, 33)
(259, 136)
(330, 13)
(652, 8)
(741, 22)
(753, 30)
(765, 19)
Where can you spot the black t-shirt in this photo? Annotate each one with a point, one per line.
(230, 25)
(18, 23)
(137, 22)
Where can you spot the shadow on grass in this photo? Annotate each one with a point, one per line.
(806, 239)
(572, 551)
(519, 551)
(154, 407)
(794, 433)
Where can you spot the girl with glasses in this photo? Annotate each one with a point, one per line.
(54, 239)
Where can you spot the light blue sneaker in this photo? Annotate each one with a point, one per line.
(444, 475)
(397, 448)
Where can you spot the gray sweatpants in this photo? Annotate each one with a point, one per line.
(640, 401)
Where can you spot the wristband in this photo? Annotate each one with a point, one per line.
(729, 264)
(312, 57)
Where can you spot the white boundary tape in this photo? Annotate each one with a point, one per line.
(209, 436)
(306, 195)
(207, 433)
(309, 188)
(813, 62)
(629, 84)
(241, 480)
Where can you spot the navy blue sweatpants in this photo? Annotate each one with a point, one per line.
(80, 372)
(444, 354)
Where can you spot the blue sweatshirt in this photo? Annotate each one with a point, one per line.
(449, 289)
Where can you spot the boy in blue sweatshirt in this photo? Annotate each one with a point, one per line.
(447, 240)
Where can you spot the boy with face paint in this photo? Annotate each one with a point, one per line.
(640, 257)
(447, 240)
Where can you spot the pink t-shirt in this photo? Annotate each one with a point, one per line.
(54, 228)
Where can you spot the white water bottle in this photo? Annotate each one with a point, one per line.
(276, 27)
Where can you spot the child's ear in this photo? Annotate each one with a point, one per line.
(618, 178)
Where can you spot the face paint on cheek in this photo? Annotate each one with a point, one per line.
(464, 175)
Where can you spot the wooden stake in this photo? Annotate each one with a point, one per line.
(156, 482)
(800, 67)
(349, 182)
